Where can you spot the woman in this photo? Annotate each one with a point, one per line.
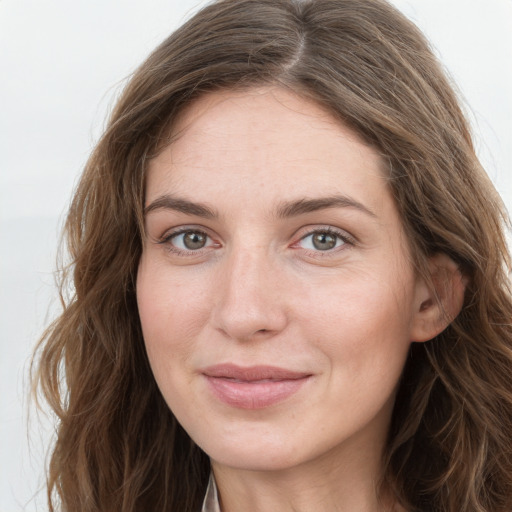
(290, 277)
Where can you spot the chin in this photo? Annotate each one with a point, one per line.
(254, 455)
(256, 461)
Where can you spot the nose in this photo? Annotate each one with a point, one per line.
(250, 299)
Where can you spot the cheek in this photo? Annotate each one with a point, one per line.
(171, 314)
(361, 319)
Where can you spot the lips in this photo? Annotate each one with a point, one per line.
(254, 387)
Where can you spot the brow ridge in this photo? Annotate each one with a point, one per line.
(285, 210)
(305, 205)
(169, 202)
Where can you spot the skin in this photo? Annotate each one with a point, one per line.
(260, 292)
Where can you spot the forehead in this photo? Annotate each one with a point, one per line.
(260, 115)
(266, 140)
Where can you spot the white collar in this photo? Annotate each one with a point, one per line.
(211, 499)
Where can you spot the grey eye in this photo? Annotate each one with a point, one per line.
(322, 241)
(190, 240)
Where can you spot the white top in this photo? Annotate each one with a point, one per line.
(211, 499)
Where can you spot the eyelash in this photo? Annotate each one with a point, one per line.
(344, 237)
(166, 240)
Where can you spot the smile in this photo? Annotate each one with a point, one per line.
(253, 387)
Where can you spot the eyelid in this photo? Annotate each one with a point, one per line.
(166, 239)
(347, 238)
(174, 232)
(169, 235)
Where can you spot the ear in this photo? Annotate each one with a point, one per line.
(438, 302)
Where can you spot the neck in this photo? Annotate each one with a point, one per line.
(341, 484)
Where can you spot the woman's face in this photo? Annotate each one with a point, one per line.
(276, 293)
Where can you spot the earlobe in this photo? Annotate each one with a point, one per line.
(438, 302)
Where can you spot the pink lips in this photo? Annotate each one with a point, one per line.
(253, 387)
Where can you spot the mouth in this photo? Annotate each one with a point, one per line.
(254, 387)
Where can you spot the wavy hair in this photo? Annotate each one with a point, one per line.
(118, 446)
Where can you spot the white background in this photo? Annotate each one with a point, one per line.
(61, 65)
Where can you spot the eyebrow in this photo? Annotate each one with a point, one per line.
(302, 206)
(168, 202)
(285, 210)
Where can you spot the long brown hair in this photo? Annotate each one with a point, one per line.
(118, 446)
